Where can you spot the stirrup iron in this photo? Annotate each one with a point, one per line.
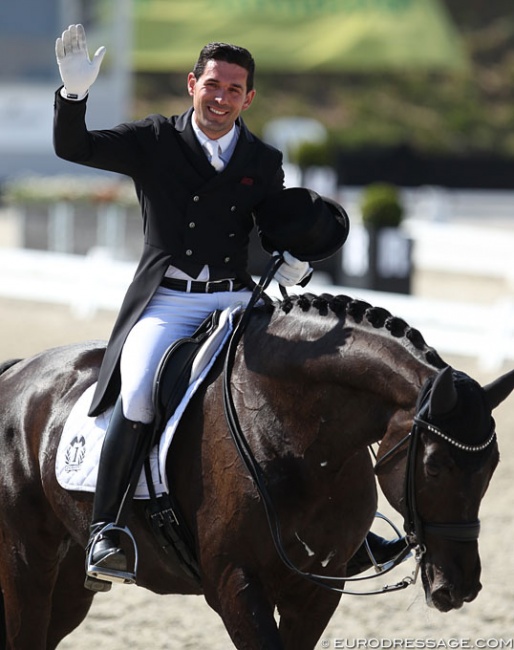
(104, 574)
(389, 564)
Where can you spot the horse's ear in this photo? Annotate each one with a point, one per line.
(443, 396)
(499, 389)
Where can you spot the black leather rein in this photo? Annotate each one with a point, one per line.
(255, 471)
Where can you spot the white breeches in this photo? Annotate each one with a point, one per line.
(169, 316)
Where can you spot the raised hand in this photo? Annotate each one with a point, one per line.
(78, 73)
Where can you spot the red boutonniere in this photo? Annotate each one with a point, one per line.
(246, 180)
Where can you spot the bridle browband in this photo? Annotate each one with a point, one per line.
(456, 443)
(414, 527)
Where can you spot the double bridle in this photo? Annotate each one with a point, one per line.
(415, 528)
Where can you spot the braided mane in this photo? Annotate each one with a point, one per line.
(361, 312)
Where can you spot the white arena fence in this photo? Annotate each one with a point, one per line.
(481, 331)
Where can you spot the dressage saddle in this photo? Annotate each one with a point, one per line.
(173, 374)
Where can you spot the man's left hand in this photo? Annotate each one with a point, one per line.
(292, 271)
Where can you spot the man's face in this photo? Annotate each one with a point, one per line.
(219, 97)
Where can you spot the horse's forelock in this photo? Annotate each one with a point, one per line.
(470, 421)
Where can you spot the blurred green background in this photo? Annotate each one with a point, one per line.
(425, 87)
(437, 76)
(300, 36)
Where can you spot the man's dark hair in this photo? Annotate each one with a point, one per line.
(229, 54)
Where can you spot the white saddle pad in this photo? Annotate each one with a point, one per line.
(81, 442)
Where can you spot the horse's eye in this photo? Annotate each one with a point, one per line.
(432, 468)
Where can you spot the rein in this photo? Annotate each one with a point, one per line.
(257, 475)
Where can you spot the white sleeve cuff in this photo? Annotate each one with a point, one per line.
(72, 97)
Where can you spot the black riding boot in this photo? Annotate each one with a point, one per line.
(382, 550)
(120, 461)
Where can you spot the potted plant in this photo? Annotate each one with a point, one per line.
(381, 206)
(379, 257)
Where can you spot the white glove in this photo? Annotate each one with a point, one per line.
(292, 271)
(78, 73)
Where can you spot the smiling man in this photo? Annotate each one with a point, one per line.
(220, 90)
(199, 177)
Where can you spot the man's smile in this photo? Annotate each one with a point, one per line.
(217, 111)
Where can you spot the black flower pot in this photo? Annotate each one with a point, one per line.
(379, 259)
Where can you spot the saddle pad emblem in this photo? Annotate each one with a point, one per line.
(74, 454)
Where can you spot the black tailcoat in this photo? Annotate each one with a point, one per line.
(192, 215)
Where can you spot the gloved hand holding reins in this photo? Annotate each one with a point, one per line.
(78, 73)
(292, 271)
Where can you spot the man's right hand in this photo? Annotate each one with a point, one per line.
(78, 73)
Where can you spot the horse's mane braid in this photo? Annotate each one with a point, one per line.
(359, 310)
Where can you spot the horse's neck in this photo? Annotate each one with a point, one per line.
(377, 364)
(316, 369)
(352, 355)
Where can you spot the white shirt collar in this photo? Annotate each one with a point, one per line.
(224, 142)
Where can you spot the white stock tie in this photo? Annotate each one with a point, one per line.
(213, 151)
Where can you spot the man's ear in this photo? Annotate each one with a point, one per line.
(248, 100)
(191, 83)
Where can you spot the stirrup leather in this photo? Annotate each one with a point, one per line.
(104, 573)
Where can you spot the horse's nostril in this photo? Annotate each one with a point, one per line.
(446, 600)
(473, 593)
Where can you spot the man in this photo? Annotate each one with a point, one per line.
(199, 178)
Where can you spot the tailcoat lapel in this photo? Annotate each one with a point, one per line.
(193, 149)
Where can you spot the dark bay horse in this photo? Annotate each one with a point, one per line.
(315, 381)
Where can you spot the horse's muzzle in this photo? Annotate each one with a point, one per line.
(445, 599)
(445, 595)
